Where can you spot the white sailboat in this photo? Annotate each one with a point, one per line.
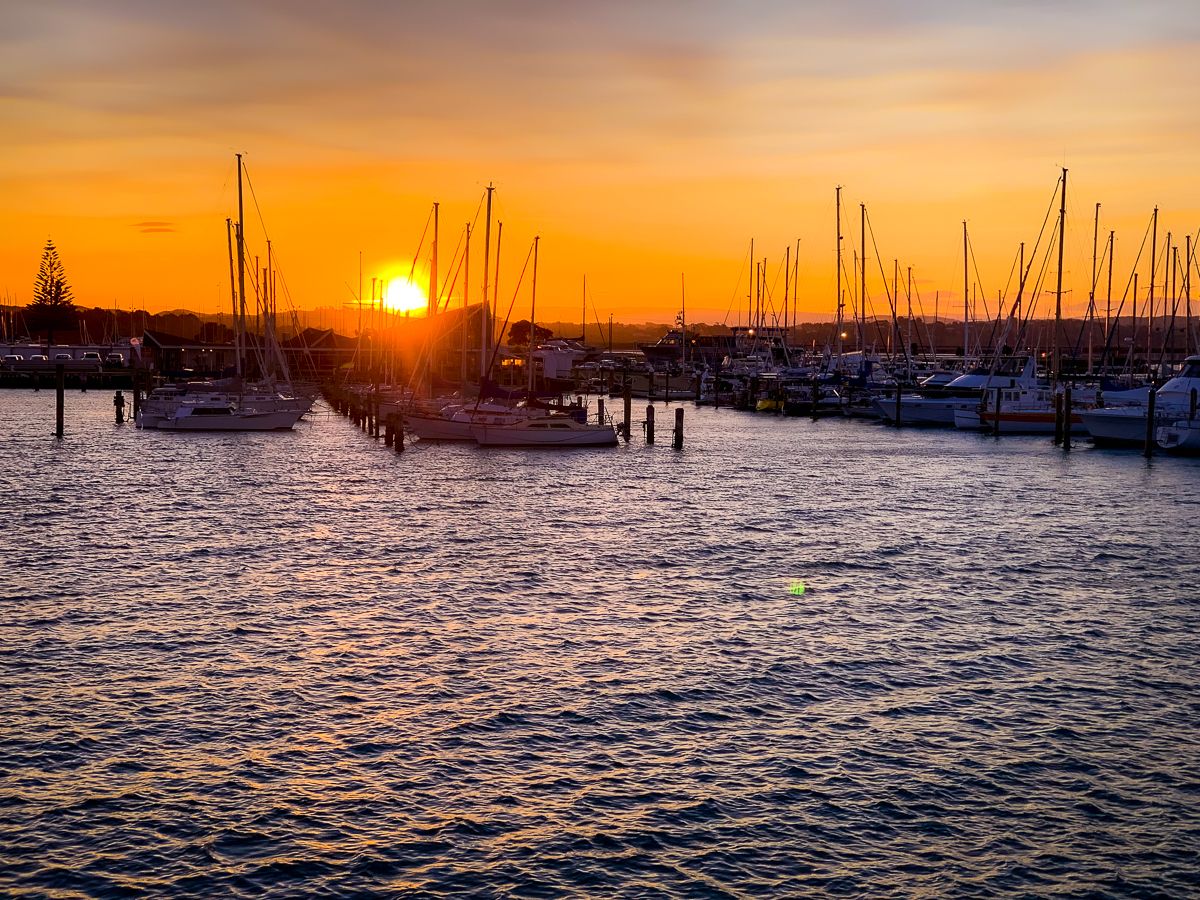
(205, 406)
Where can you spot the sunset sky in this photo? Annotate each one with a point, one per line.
(642, 140)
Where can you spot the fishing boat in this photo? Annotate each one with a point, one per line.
(1022, 411)
(545, 431)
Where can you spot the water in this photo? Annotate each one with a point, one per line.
(303, 665)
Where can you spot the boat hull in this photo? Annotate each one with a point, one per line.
(1015, 422)
(1116, 426)
(915, 410)
(1182, 437)
(244, 421)
(522, 436)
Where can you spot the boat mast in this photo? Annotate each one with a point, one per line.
(840, 303)
(966, 300)
(583, 327)
(433, 301)
(433, 294)
(1092, 293)
(241, 252)
(795, 289)
(237, 338)
(1108, 301)
(466, 301)
(683, 316)
(1187, 293)
(533, 312)
(895, 304)
(1062, 223)
(908, 338)
(862, 291)
(1153, 273)
(787, 271)
(485, 339)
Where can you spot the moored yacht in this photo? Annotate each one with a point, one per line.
(938, 407)
(1127, 424)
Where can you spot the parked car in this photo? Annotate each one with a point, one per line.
(114, 359)
(63, 357)
(91, 356)
(39, 357)
(13, 358)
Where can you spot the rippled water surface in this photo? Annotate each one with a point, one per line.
(300, 664)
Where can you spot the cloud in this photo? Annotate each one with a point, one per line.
(155, 227)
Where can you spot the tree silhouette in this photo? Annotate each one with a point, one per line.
(53, 308)
(518, 333)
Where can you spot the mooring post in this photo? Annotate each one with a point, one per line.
(137, 394)
(388, 425)
(119, 407)
(1057, 418)
(1067, 417)
(897, 422)
(678, 443)
(83, 382)
(996, 414)
(60, 385)
(667, 387)
(600, 410)
(628, 408)
(1151, 401)
(399, 437)
(698, 388)
(650, 424)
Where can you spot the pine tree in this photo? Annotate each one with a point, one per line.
(53, 308)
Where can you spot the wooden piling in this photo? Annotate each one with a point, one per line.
(628, 398)
(897, 422)
(1067, 417)
(699, 382)
(650, 424)
(60, 386)
(1057, 418)
(399, 438)
(389, 430)
(678, 442)
(119, 407)
(1151, 402)
(996, 414)
(600, 410)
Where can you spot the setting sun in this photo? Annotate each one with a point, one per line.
(403, 296)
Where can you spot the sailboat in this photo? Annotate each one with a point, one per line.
(205, 406)
(549, 430)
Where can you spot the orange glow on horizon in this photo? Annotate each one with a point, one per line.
(638, 143)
